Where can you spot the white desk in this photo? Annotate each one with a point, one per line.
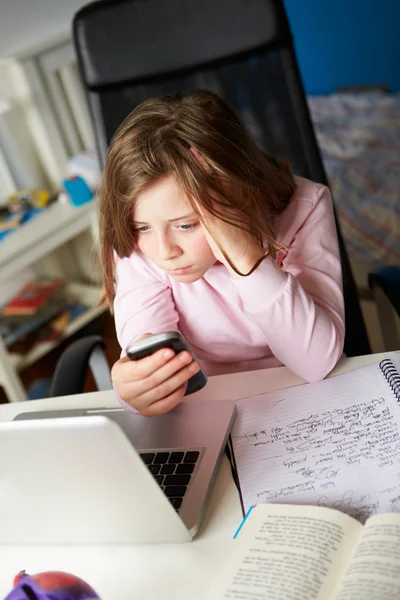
(181, 571)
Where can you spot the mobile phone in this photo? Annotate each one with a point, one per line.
(170, 339)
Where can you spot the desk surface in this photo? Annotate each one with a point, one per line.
(183, 570)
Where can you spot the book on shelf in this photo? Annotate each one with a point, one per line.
(54, 329)
(15, 329)
(39, 312)
(31, 298)
(31, 308)
(21, 333)
(284, 552)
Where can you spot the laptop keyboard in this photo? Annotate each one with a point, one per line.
(172, 471)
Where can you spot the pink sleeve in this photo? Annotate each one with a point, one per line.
(143, 302)
(300, 310)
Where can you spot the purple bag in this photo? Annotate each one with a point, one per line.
(51, 585)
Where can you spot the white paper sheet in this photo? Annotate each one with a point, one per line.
(335, 443)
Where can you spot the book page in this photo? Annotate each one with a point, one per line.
(335, 443)
(287, 552)
(374, 571)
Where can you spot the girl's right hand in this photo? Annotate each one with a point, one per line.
(155, 384)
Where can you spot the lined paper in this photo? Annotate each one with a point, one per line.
(335, 443)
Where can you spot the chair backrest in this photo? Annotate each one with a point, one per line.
(131, 50)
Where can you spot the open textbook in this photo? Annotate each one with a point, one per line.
(311, 553)
(335, 443)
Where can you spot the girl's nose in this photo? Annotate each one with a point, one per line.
(167, 248)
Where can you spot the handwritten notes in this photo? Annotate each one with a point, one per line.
(335, 443)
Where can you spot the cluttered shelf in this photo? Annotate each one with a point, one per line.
(53, 226)
(43, 314)
(82, 307)
(50, 241)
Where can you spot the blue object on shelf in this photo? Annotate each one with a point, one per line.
(78, 190)
(26, 217)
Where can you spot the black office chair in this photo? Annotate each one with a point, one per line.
(130, 50)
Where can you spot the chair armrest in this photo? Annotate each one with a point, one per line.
(385, 283)
(388, 279)
(71, 369)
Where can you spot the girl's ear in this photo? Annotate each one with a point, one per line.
(198, 157)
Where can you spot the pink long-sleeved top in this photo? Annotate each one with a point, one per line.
(287, 312)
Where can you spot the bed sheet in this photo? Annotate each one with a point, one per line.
(359, 136)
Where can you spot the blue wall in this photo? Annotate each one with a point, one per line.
(346, 42)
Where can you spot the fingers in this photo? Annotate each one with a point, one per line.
(165, 372)
(157, 379)
(162, 406)
(166, 384)
(140, 369)
(199, 158)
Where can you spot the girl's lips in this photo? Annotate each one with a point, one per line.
(179, 271)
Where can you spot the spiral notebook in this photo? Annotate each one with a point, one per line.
(335, 443)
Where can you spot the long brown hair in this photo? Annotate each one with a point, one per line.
(235, 181)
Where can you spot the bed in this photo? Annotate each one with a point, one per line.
(359, 137)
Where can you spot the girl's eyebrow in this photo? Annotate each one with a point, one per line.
(192, 214)
(189, 216)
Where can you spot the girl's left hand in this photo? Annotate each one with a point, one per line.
(239, 246)
(242, 250)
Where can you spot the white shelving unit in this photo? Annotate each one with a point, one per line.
(39, 240)
(58, 224)
(39, 76)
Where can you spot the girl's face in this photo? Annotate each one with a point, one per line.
(169, 232)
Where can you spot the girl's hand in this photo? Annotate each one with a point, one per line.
(242, 251)
(155, 384)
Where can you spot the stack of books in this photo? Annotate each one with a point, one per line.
(38, 312)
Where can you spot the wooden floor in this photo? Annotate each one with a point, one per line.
(44, 368)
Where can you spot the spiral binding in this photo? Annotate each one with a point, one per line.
(392, 376)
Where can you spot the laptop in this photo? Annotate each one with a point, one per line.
(109, 476)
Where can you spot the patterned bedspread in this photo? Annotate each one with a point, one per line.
(359, 135)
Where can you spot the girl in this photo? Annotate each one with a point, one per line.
(203, 234)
